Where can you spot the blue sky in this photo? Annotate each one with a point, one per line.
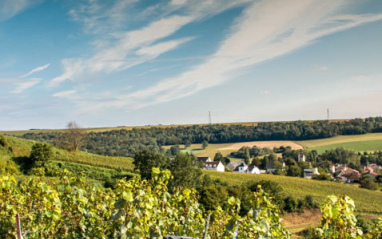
(138, 62)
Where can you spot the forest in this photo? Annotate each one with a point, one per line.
(128, 142)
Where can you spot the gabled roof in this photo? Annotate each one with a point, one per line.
(233, 165)
(212, 164)
(251, 167)
(203, 159)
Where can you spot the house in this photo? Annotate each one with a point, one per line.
(370, 172)
(204, 159)
(374, 167)
(301, 158)
(216, 166)
(341, 167)
(253, 169)
(352, 175)
(309, 173)
(332, 168)
(347, 174)
(237, 166)
(272, 167)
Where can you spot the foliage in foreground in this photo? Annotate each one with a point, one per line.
(71, 208)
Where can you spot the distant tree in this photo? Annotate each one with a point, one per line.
(174, 150)
(187, 144)
(185, 170)
(145, 160)
(294, 171)
(379, 179)
(247, 156)
(369, 183)
(40, 153)
(74, 136)
(218, 157)
(256, 161)
(204, 144)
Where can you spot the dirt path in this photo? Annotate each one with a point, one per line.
(263, 144)
(297, 222)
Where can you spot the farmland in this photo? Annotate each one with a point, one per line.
(22, 148)
(363, 142)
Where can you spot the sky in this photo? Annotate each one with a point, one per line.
(105, 63)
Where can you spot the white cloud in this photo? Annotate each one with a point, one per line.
(37, 69)
(324, 68)
(266, 30)
(123, 55)
(121, 50)
(265, 92)
(178, 2)
(160, 48)
(63, 94)
(10, 8)
(22, 86)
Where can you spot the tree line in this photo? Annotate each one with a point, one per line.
(128, 142)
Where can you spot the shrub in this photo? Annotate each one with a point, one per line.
(41, 153)
(291, 204)
(3, 141)
(369, 183)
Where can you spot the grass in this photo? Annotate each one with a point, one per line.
(340, 140)
(92, 172)
(123, 163)
(359, 146)
(366, 201)
(210, 151)
(22, 147)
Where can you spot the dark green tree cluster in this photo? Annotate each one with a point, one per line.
(40, 153)
(128, 142)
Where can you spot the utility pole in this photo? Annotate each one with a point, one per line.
(209, 116)
(327, 112)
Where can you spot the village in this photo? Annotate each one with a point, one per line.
(336, 172)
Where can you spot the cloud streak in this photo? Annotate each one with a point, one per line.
(37, 69)
(125, 49)
(22, 86)
(266, 30)
(10, 8)
(63, 94)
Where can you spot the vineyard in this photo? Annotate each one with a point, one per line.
(367, 201)
(72, 208)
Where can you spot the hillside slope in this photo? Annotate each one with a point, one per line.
(20, 149)
(366, 201)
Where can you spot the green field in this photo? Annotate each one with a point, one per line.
(340, 140)
(366, 201)
(358, 143)
(22, 148)
(360, 146)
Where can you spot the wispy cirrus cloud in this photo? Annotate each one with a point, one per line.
(266, 29)
(63, 94)
(23, 82)
(10, 8)
(123, 49)
(22, 86)
(37, 69)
